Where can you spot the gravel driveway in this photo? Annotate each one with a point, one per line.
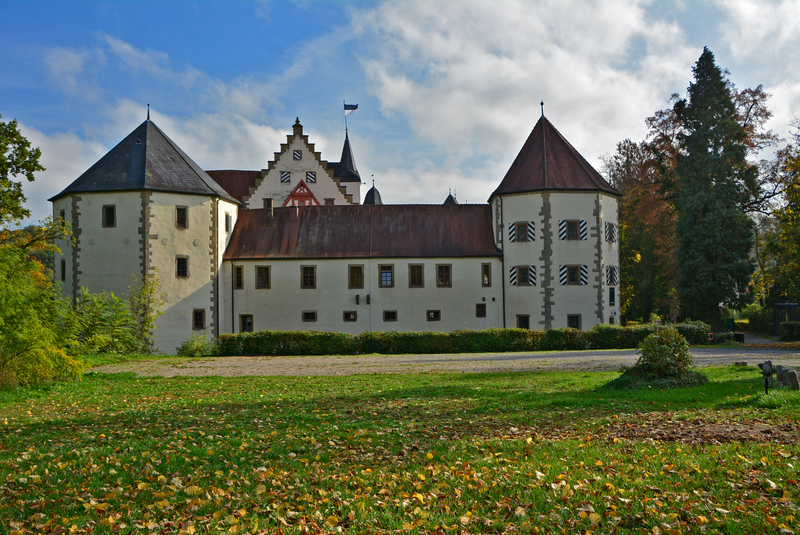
(605, 360)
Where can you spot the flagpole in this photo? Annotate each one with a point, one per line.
(345, 116)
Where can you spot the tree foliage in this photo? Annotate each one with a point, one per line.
(714, 234)
(146, 303)
(652, 176)
(17, 159)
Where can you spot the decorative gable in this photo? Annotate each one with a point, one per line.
(301, 196)
(297, 163)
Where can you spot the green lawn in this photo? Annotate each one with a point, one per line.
(424, 453)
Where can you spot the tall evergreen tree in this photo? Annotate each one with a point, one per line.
(715, 236)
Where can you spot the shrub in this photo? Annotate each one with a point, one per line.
(664, 354)
(43, 365)
(695, 332)
(197, 345)
(563, 340)
(790, 331)
(604, 336)
(761, 320)
(724, 338)
(664, 361)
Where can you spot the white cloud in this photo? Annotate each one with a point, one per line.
(65, 156)
(469, 75)
(68, 69)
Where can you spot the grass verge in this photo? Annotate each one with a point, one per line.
(423, 453)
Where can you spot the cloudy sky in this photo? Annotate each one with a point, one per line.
(448, 91)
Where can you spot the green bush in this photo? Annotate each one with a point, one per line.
(605, 336)
(197, 345)
(724, 338)
(790, 331)
(695, 332)
(664, 354)
(761, 320)
(565, 339)
(741, 325)
(664, 361)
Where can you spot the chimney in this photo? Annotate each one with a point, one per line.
(293, 213)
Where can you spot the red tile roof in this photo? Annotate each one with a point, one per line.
(547, 161)
(236, 183)
(382, 231)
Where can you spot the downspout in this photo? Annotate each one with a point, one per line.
(233, 297)
(502, 262)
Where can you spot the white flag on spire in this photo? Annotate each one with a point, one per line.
(349, 108)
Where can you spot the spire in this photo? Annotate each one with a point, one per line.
(542, 105)
(450, 197)
(346, 170)
(148, 111)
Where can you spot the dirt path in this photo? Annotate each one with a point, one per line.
(606, 360)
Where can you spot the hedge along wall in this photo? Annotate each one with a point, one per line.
(790, 330)
(488, 341)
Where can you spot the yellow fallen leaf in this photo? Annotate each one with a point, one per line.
(595, 518)
(429, 456)
(332, 521)
(261, 489)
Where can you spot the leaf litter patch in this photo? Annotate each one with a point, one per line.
(704, 432)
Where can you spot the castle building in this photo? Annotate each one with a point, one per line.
(292, 247)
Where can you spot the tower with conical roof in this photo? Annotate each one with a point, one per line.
(147, 207)
(555, 218)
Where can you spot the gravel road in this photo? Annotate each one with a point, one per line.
(605, 360)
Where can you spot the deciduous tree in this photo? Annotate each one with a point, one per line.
(17, 159)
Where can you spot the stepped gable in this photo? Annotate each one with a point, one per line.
(547, 161)
(146, 160)
(235, 182)
(345, 170)
(355, 231)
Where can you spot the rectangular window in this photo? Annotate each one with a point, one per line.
(268, 203)
(63, 270)
(286, 176)
(389, 315)
(572, 230)
(246, 323)
(181, 220)
(573, 275)
(350, 316)
(434, 315)
(109, 216)
(61, 216)
(612, 296)
(238, 277)
(311, 177)
(262, 277)
(308, 277)
(486, 275)
(199, 319)
(522, 231)
(182, 266)
(523, 321)
(574, 321)
(480, 310)
(355, 278)
(309, 316)
(386, 276)
(298, 154)
(444, 276)
(227, 222)
(416, 276)
(523, 276)
(328, 202)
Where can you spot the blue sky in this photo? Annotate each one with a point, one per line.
(448, 91)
